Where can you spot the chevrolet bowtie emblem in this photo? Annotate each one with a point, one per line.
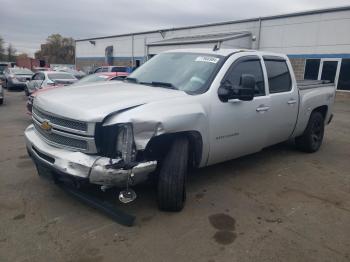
(46, 125)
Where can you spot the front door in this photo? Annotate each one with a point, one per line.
(238, 127)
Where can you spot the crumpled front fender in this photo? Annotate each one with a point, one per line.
(154, 119)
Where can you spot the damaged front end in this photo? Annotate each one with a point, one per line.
(119, 164)
(115, 167)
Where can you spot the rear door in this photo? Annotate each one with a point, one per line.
(284, 97)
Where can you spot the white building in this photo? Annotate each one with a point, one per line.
(317, 42)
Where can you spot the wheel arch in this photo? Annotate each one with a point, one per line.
(321, 109)
(159, 145)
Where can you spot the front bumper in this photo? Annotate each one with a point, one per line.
(98, 170)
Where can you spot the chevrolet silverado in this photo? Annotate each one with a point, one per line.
(182, 109)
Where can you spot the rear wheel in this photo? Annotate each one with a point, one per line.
(311, 140)
(172, 176)
(1, 101)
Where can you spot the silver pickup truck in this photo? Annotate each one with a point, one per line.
(182, 109)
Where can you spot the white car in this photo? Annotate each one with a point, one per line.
(48, 78)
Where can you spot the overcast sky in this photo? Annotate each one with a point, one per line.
(27, 23)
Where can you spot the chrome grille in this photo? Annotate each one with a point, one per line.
(72, 124)
(62, 140)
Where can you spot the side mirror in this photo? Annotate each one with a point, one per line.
(245, 91)
(247, 88)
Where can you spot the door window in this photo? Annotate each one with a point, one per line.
(38, 77)
(329, 70)
(344, 76)
(312, 66)
(278, 75)
(251, 66)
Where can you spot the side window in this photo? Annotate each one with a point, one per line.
(311, 69)
(36, 76)
(252, 67)
(104, 69)
(278, 75)
(98, 70)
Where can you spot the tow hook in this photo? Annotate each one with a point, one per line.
(128, 195)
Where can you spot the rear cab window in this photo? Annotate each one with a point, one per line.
(278, 74)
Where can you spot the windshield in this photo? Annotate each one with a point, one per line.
(21, 71)
(92, 78)
(188, 72)
(55, 76)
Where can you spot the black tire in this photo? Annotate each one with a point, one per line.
(172, 177)
(311, 140)
(1, 101)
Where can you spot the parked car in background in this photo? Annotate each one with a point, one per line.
(48, 78)
(3, 66)
(120, 69)
(182, 109)
(100, 77)
(16, 77)
(76, 73)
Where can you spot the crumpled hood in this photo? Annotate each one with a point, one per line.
(92, 103)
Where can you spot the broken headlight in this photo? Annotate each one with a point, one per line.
(125, 143)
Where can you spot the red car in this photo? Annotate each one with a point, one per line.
(99, 77)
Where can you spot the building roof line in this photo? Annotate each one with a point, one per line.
(309, 12)
(197, 39)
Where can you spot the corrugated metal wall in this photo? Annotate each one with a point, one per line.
(300, 37)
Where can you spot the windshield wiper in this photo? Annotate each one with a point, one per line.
(162, 84)
(132, 79)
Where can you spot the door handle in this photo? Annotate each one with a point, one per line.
(292, 102)
(262, 108)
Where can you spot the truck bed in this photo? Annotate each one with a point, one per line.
(309, 84)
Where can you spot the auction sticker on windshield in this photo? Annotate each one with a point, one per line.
(207, 59)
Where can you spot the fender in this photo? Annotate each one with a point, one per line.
(165, 117)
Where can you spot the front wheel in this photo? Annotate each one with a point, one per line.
(311, 140)
(172, 177)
